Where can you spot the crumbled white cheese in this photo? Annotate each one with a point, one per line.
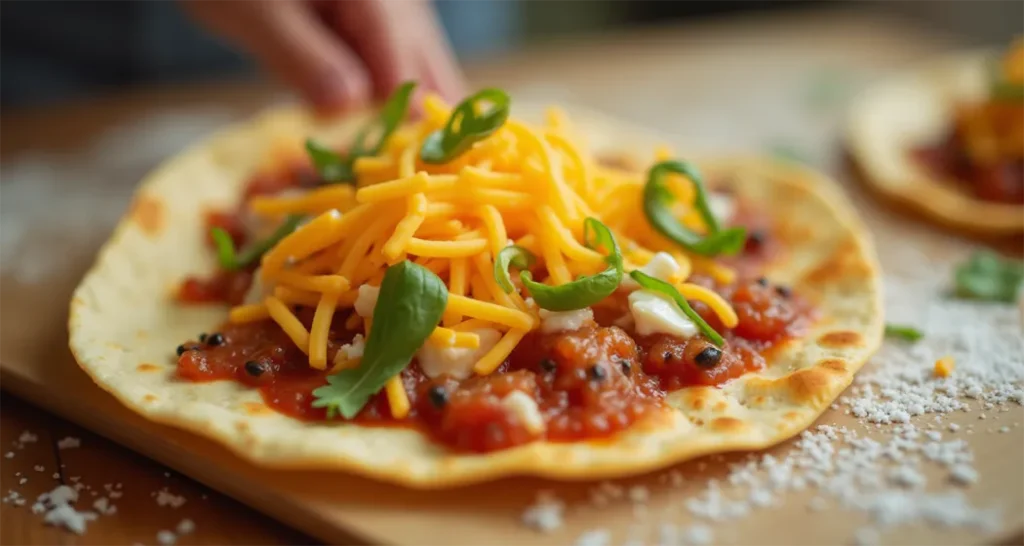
(564, 321)
(654, 313)
(722, 205)
(457, 362)
(661, 266)
(68, 443)
(351, 351)
(366, 300)
(525, 410)
(258, 290)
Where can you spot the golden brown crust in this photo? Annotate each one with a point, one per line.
(916, 108)
(122, 294)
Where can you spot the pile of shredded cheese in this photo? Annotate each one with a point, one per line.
(523, 185)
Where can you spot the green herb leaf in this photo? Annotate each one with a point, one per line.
(900, 331)
(409, 307)
(988, 276)
(658, 199)
(466, 126)
(511, 255)
(334, 167)
(231, 261)
(657, 285)
(587, 289)
(370, 141)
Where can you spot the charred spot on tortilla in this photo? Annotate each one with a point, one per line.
(148, 213)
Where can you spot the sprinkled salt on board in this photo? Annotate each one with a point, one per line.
(898, 465)
(68, 443)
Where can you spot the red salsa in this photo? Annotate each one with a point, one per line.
(231, 286)
(1000, 178)
(587, 383)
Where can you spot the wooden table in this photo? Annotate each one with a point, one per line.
(736, 74)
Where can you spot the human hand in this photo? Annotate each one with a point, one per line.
(339, 54)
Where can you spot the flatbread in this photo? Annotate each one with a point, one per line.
(916, 108)
(124, 327)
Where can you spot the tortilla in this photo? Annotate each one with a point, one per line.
(124, 327)
(916, 108)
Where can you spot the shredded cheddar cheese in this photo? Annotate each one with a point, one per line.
(524, 185)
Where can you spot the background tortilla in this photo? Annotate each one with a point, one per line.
(124, 326)
(913, 109)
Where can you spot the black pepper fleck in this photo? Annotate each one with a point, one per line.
(438, 396)
(626, 366)
(784, 291)
(254, 368)
(667, 356)
(708, 357)
(215, 339)
(202, 337)
(755, 239)
(548, 365)
(763, 281)
(181, 350)
(596, 372)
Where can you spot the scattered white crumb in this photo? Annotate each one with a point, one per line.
(185, 527)
(22, 481)
(166, 498)
(68, 443)
(953, 427)
(39, 468)
(963, 474)
(866, 536)
(103, 506)
(56, 475)
(594, 537)
(9, 455)
(546, 514)
(27, 438)
(166, 538)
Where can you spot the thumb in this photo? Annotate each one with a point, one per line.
(289, 40)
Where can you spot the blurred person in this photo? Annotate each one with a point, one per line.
(335, 53)
(339, 53)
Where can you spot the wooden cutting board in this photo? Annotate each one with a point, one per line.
(35, 362)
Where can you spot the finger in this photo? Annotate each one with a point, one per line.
(380, 32)
(438, 65)
(288, 39)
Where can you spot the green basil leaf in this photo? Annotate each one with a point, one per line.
(511, 255)
(988, 276)
(658, 200)
(900, 331)
(231, 261)
(390, 118)
(466, 126)
(657, 285)
(587, 289)
(334, 167)
(409, 307)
